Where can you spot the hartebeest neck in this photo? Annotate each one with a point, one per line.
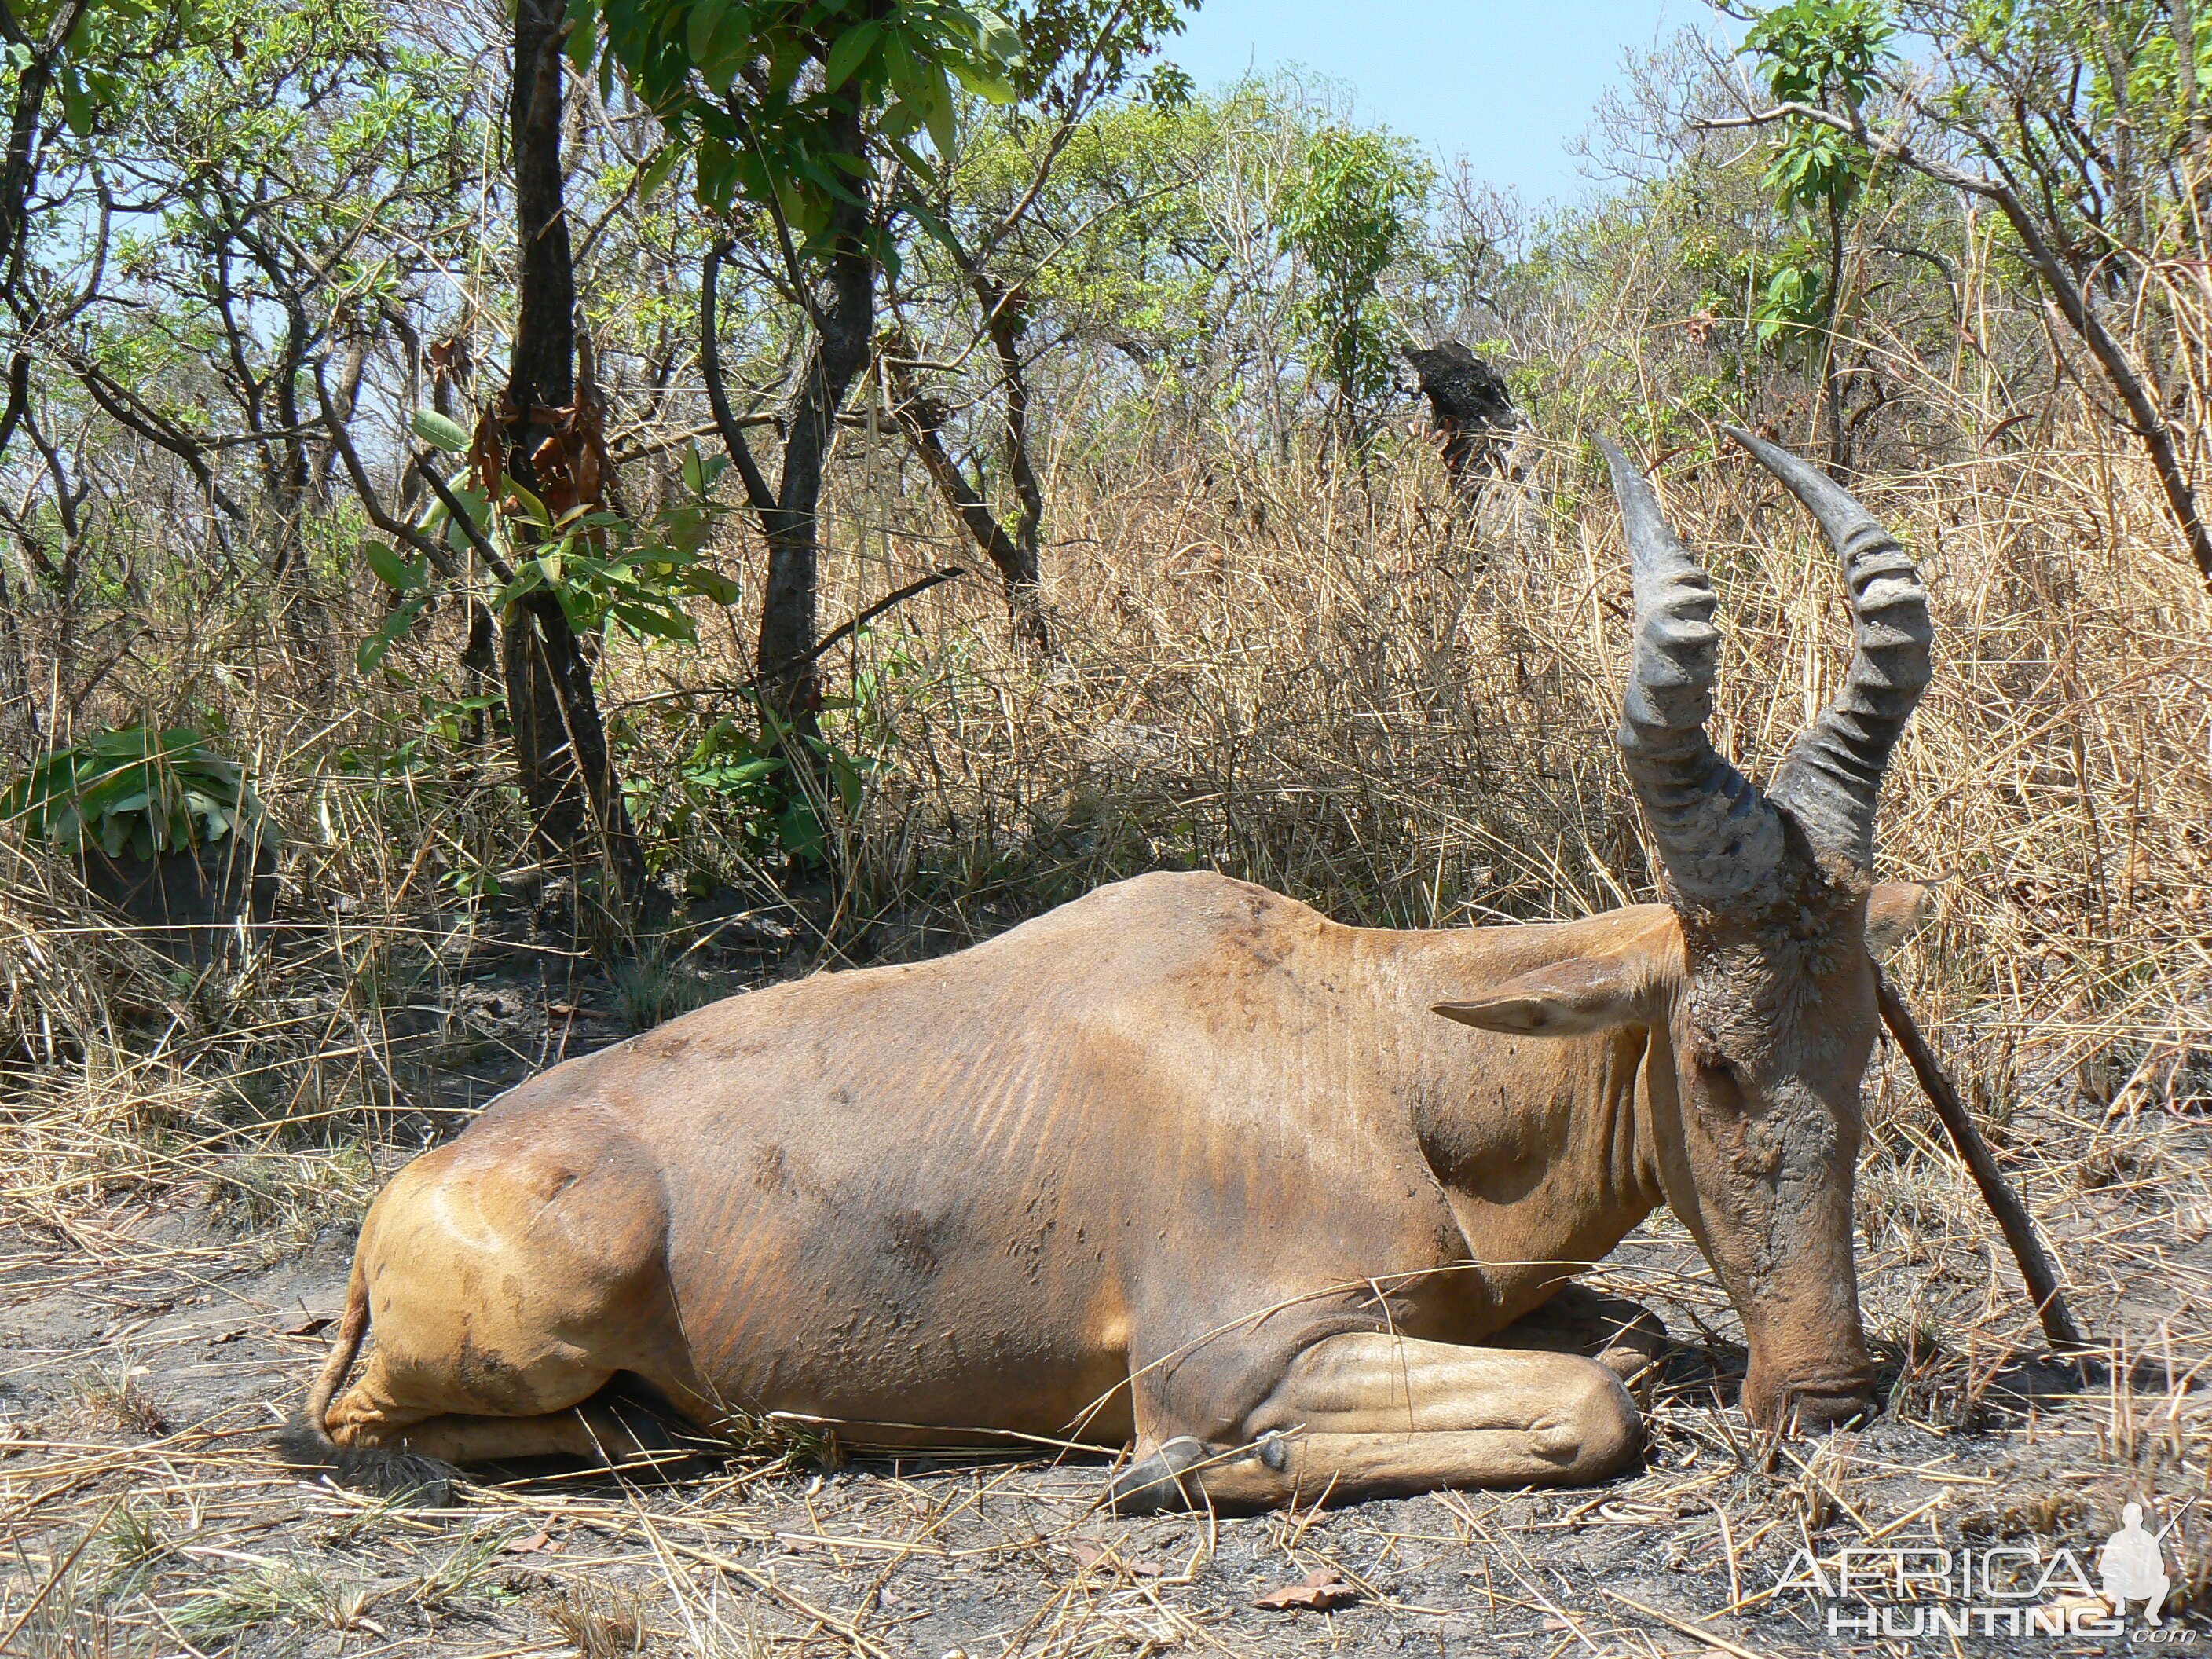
(1543, 1146)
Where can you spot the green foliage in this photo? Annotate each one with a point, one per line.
(1072, 49)
(734, 775)
(731, 776)
(1355, 212)
(1817, 53)
(605, 570)
(1119, 239)
(1794, 303)
(730, 79)
(737, 776)
(137, 791)
(1816, 168)
(1810, 50)
(92, 72)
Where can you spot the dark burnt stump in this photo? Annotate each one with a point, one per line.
(1472, 409)
(187, 904)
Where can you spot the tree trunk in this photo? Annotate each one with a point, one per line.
(1006, 315)
(844, 308)
(922, 420)
(20, 737)
(19, 165)
(1831, 391)
(560, 743)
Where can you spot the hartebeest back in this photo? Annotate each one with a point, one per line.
(1186, 1163)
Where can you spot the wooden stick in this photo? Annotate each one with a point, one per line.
(2013, 1218)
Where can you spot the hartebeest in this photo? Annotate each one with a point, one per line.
(1186, 1163)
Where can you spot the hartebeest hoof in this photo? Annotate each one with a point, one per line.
(381, 1471)
(1156, 1483)
(1810, 1407)
(1173, 1477)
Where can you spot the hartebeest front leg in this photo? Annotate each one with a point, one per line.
(1626, 1337)
(1370, 1415)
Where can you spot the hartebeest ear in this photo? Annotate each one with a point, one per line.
(1585, 993)
(1894, 908)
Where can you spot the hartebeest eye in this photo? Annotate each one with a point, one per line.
(1715, 1068)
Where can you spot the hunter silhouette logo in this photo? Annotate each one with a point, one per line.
(2133, 1568)
(2017, 1590)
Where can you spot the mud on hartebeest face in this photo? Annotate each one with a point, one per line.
(1186, 1164)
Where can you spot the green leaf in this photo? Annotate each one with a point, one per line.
(936, 111)
(801, 833)
(394, 572)
(440, 432)
(701, 472)
(984, 85)
(532, 509)
(998, 40)
(528, 579)
(700, 34)
(685, 529)
(642, 619)
(373, 648)
(850, 50)
(662, 162)
(912, 160)
(711, 584)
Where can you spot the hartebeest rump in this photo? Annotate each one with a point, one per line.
(1186, 1164)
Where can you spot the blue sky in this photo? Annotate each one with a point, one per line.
(1507, 82)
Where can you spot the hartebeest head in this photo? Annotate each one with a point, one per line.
(1764, 1021)
(1774, 1017)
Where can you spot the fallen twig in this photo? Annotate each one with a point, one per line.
(2013, 1218)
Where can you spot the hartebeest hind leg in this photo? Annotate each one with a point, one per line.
(1370, 1415)
(511, 1280)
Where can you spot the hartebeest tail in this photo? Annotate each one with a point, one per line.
(305, 1441)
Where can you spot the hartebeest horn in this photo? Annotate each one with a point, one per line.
(1832, 774)
(1720, 841)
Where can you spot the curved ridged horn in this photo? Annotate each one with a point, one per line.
(1830, 778)
(1720, 841)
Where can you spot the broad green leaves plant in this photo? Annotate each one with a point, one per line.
(1817, 53)
(738, 774)
(605, 570)
(1810, 50)
(138, 792)
(91, 71)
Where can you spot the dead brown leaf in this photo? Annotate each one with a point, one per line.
(1323, 1589)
